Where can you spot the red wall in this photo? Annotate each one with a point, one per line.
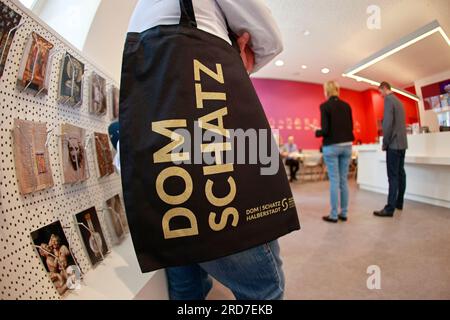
(291, 105)
(411, 107)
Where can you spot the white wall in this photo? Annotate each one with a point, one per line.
(429, 117)
(105, 41)
(70, 18)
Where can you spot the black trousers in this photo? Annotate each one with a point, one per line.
(395, 160)
(294, 166)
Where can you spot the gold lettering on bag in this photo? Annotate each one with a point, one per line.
(217, 149)
(223, 219)
(218, 169)
(218, 76)
(179, 233)
(220, 202)
(174, 172)
(205, 122)
(165, 153)
(213, 123)
(202, 96)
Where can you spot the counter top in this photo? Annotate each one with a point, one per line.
(427, 166)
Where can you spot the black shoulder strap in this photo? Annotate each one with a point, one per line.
(187, 18)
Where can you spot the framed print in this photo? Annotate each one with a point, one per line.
(103, 155)
(117, 217)
(97, 95)
(70, 90)
(31, 157)
(73, 154)
(92, 235)
(9, 22)
(54, 252)
(114, 95)
(34, 70)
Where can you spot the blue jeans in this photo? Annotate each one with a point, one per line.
(337, 158)
(254, 274)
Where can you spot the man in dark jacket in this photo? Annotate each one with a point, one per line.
(395, 144)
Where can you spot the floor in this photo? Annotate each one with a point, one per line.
(330, 261)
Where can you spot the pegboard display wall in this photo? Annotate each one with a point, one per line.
(22, 275)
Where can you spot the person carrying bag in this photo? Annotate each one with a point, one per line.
(186, 202)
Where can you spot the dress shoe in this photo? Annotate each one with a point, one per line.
(383, 213)
(342, 218)
(399, 207)
(329, 219)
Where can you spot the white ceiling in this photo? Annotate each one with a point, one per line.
(339, 38)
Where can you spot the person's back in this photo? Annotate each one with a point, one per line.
(394, 124)
(395, 143)
(337, 134)
(340, 123)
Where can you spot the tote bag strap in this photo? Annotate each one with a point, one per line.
(187, 18)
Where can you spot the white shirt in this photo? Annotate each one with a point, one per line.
(252, 16)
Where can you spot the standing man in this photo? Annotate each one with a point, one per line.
(290, 152)
(395, 144)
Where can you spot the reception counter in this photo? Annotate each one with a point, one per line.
(427, 165)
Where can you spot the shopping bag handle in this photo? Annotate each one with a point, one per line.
(187, 18)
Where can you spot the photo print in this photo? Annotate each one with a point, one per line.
(73, 153)
(92, 235)
(54, 252)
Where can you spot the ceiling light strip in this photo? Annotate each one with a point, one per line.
(403, 43)
(377, 84)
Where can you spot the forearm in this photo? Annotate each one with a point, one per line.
(254, 17)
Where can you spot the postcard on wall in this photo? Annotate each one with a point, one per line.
(114, 95)
(73, 154)
(31, 157)
(9, 22)
(34, 70)
(92, 235)
(117, 218)
(70, 90)
(97, 95)
(103, 155)
(54, 251)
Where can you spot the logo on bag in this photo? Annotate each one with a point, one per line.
(212, 122)
(269, 209)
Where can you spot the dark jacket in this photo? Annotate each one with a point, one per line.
(337, 122)
(394, 124)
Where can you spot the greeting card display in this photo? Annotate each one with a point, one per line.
(31, 156)
(71, 81)
(34, 71)
(73, 154)
(92, 235)
(54, 251)
(9, 23)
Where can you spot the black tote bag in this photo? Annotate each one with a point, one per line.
(182, 211)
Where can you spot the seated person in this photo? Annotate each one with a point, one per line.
(290, 152)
